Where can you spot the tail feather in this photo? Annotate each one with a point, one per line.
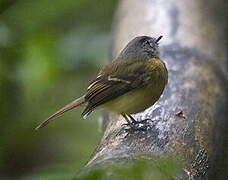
(66, 108)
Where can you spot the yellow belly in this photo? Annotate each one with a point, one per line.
(134, 101)
(139, 99)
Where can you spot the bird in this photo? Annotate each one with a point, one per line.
(131, 83)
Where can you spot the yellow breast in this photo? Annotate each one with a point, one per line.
(139, 99)
(134, 101)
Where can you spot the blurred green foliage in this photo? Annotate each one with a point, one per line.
(49, 52)
(144, 169)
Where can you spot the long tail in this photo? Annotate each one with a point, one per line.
(66, 108)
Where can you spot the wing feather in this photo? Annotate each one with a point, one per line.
(112, 84)
(108, 88)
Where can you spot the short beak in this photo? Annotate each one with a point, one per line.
(158, 39)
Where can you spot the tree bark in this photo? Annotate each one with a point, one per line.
(190, 118)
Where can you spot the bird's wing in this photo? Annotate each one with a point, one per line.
(107, 87)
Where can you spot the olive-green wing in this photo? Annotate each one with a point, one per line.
(114, 80)
(106, 88)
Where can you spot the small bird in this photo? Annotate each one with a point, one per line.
(128, 85)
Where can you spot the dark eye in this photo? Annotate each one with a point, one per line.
(146, 43)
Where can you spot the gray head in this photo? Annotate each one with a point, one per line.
(141, 47)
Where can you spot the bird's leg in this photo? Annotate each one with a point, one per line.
(138, 122)
(134, 125)
(129, 123)
(132, 119)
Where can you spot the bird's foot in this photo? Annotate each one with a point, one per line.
(133, 126)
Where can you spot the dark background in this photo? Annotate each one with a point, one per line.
(49, 52)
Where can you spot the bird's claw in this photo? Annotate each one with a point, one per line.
(138, 125)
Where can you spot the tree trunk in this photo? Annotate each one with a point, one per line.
(189, 120)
